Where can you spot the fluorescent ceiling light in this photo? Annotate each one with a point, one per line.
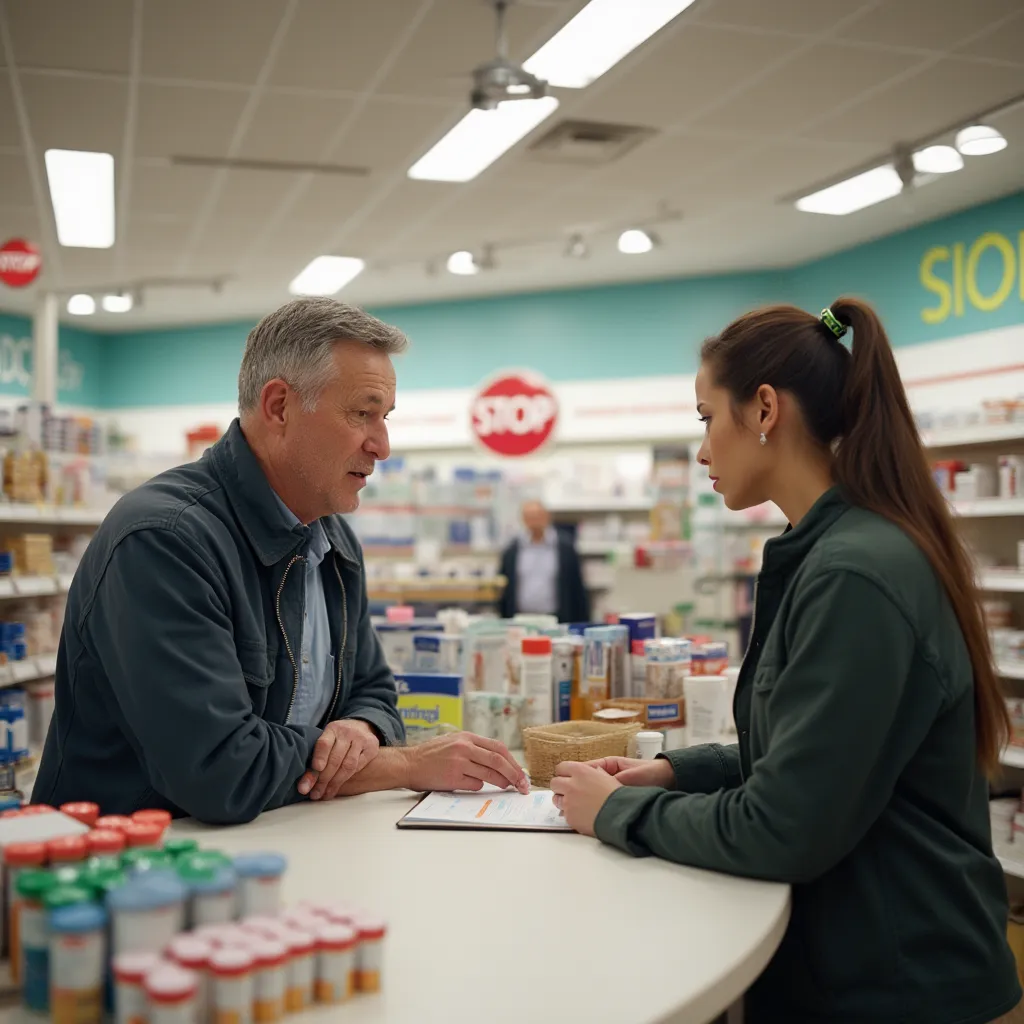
(117, 303)
(81, 305)
(598, 38)
(874, 186)
(979, 140)
(480, 138)
(462, 262)
(326, 275)
(82, 193)
(634, 242)
(937, 160)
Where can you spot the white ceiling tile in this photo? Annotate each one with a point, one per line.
(340, 44)
(330, 199)
(169, 190)
(68, 113)
(925, 24)
(390, 133)
(293, 127)
(18, 222)
(10, 131)
(679, 81)
(927, 102)
(152, 246)
(82, 35)
(805, 89)
(248, 196)
(806, 17)
(1004, 42)
(16, 189)
(85, 268)
(185, 120)
(208, 40)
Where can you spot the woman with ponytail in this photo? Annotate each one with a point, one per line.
(869, 715)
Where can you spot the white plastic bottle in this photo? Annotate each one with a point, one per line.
(535, 680)
(171, 992)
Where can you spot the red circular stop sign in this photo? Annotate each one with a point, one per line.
(20, 263)
(514, 414)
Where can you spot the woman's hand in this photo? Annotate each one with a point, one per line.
(580, 792)
(630, 771)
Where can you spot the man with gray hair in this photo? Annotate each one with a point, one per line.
(217, 657)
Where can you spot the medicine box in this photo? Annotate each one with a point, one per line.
(429, 703)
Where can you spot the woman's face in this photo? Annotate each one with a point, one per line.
(737, 462)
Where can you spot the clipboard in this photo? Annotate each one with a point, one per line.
(490, 810)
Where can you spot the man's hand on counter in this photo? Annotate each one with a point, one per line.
(345, 747)
(459, 761)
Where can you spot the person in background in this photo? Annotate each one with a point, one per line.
(543, 571)
(217, 657)
(869, 715)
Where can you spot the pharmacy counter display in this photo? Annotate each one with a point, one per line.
(500, 926)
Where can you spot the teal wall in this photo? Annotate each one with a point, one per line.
(954, 276)
(80, 362)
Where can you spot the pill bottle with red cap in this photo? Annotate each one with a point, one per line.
(171, 994)
(67, 850)
(268, 985)
(83, 811)
(231, 971)
(143, 835)
(153, 816)
(37, 809)
(17, 858)
(301, 971)
(104, 842)
(130, 970)
(335, 963)
(193, 953)
(115, 822)
(370, 954)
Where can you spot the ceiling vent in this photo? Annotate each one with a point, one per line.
(589, 143)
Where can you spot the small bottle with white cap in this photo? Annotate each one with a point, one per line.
(649, 744)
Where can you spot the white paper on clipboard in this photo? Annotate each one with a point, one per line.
(490, 809)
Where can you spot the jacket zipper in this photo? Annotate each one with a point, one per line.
(287, 644)
(344, 637)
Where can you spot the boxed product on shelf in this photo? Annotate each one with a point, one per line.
(1015, 707)
(655, 713)
(429, 703)
(33, 553)
(25, 476)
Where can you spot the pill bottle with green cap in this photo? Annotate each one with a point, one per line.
(146, 913)
(179, 846)
(212, 889)
(34, 972)
(259, 883)
(140, 859)
(130, 971)
(77, 962)
(18, 857)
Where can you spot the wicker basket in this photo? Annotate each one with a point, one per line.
(547, 746)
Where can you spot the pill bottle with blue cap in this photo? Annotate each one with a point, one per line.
(212, 892)
(77, 963)
(259, 883)
(146, 913)
(34, 971)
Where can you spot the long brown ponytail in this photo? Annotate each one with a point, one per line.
(856, 397)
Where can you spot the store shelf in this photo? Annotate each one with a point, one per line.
(1010, 669)
(584, 506)
(17, 672)
(989, 507)
(1011, 856)
(51, 515)
(1005, 581)
(437, 590)
(1013, 757)
(14, 587)
(980, 433)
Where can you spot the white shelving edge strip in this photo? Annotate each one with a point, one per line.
(1010, 669)
(1011, 866)
(980, 433)
(17, 513)
(1012, 757)
(12, 587)
(40, 667)
(985, 507)
(1000, 581)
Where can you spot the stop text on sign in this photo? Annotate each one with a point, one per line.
(515, 414)
(20, 263)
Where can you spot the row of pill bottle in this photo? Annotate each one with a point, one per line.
(335, 963)
(231, 971)
(170, 995)
(301, 971)
(193, 954)
(130, 972)
(77, 962)
(270, 957)
(370, 953)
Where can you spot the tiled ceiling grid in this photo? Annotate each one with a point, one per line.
(752, 101)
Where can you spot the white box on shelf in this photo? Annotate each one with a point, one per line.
(46, 665)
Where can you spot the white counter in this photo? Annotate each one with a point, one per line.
(524, 927)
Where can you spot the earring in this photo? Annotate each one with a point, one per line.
(764, 440)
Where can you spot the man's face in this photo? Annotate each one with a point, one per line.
(535, 518)
(333, 449)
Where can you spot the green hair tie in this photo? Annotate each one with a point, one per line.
(831, 321)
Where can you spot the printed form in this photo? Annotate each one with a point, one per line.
(489, 809)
